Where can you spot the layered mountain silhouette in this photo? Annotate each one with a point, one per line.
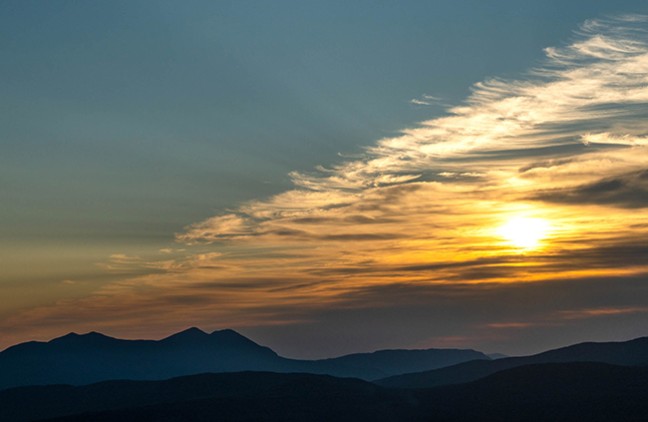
(588, 381)
(83, 359)
(394, 362)
(555, 391)
(630, 353)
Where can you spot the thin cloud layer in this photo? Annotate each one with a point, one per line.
(626, 190)
(583, 111)
(413, 223)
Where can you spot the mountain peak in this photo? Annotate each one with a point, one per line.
(74, 336)
(229, 335)
(89, 334)
(191, 333)
(231, 338)
(227, 332)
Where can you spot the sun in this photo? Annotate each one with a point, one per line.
(524, 232)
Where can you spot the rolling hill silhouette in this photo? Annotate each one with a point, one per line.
(83, 359)
(629, 353)
(229, 389)
(392, 362)
(555, 391)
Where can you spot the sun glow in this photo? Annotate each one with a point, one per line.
(524, 232)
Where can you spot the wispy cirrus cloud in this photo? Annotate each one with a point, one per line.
(427, 100)
(583, 112)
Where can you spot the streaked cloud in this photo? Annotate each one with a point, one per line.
(623, 190)
(581, 112)
(426, 100)
(602, 312)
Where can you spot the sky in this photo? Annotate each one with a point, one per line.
(326, 177)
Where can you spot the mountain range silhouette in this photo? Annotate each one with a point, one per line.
(226, 376)
(82, 359)
(630, 353)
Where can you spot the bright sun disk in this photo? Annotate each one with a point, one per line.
(524, 232)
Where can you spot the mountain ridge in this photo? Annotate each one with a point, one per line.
(627, 353)
(79, 359)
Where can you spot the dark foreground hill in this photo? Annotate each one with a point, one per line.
(577, 391)
(628, 353)
(208, 396)
(556, 392)
(83, 359)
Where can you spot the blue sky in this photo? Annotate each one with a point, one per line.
(126, 122)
